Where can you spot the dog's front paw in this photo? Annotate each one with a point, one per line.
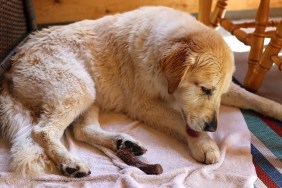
(130, 143)
(74, 169)
(205, 151)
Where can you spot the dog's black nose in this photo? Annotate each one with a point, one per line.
(212, 125)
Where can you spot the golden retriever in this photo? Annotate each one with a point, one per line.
(156, 64)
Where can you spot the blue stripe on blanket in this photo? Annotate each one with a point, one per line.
(264, 133)
(267, 167)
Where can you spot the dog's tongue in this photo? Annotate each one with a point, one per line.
(192, 133)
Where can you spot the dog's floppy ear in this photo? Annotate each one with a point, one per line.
(173, 64)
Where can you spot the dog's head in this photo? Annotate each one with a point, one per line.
(198, 69)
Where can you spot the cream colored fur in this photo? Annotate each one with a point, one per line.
(155, 64)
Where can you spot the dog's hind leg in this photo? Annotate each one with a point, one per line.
(27, 157)
(50, 128)
(241, 98)
(87, 129)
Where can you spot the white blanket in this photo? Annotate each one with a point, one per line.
(235, 168)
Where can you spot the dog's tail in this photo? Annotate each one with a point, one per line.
(241, 98)
(28, 158)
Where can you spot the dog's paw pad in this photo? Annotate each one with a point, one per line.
(136, 149)
(81, 174)
(70, 170)
(77, 172)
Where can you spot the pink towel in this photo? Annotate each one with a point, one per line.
(235, 168)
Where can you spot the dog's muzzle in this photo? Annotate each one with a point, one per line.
(212, 125)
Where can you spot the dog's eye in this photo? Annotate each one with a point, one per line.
(206, 91)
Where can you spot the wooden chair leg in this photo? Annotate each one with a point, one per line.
(272, 50)
(257, 43)
(204, 11)
(218, 12)
(269, 56)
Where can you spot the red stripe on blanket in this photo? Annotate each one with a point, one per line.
(264, 177)
(272, 124)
